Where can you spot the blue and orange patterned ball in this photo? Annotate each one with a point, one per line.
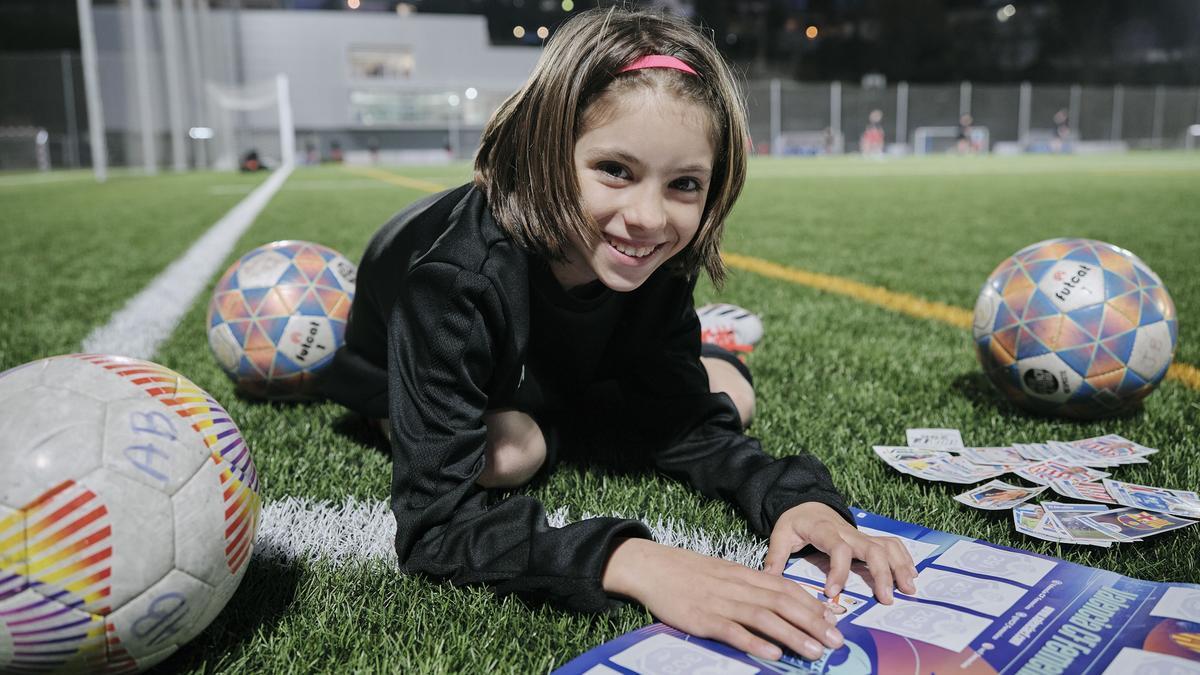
(277, 316)
(1075, 327)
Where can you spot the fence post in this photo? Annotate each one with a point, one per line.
(141, 60)
(1024, 102)
(70, 147)
(91, 86)
(1157, 128)
(835, 107)
(169, 26)
(776, 115)
(1118, 111)
(195, 67)
(902, 112)
(1073, 111)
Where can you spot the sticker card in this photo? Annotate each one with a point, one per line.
(815, 567)
(997, 495)
(1001, 455)
(1179, 603)
(1177, 502)
(1049, 470)
(1088, 492)
(919, 550)
(939, 626)
(986, 596)
(668, 655)
(1135, 523)
(934, 439)
(971, 557)
(845, 606)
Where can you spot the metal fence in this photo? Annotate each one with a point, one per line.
(45, 91)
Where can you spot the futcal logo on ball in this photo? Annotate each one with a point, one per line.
(277, 316)
(128, 508)
(1075, 327)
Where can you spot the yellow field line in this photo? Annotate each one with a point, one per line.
(903, 303)
(1186, 374)
(897, 302)
(389, 177)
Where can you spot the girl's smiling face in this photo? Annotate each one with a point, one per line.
(644, 172)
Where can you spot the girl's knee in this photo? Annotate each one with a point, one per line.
(516, 449)
(724, 378)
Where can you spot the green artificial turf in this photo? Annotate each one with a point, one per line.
(834, 376)
(75, 250)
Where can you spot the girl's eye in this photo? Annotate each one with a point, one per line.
(687, 184)
(614, 170)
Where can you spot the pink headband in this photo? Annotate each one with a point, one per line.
(659, 61)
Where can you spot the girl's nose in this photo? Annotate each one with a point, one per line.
(647, 211)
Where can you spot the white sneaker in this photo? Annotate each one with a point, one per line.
(746, 327)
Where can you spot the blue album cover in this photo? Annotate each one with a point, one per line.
(979, 608)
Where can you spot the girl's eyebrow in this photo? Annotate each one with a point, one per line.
(625, 157)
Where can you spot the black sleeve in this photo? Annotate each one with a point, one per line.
(698, 436)
(443, 333)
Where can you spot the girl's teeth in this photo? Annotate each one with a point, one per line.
(631, 251)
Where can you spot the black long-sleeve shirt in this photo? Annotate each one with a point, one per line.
(467, 321)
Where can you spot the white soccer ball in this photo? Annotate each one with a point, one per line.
(128, 509)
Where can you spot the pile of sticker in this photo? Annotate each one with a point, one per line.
(1069, 468)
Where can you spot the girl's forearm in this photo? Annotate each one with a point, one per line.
(621, 572)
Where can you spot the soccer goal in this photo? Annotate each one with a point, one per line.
(24, 148)
(255, 117)
(808, 143)
(933, 140)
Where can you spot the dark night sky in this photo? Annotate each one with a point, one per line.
(1087, 41)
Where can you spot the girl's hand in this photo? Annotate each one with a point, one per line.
(713, 598)
(817, 524)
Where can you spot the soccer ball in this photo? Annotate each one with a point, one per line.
(1075, 327)
(277, 316)
(128, 509)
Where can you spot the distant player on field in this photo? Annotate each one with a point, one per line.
(870, 144)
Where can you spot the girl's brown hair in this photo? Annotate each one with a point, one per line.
(525, 163)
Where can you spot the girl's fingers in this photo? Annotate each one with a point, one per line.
(840, 556)
(771, 583)
(782, 545)
(875, 554)
(735, 635)
(902, 567)
(797, 607)
(766, 621)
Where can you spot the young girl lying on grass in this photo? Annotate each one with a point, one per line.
(547, 305)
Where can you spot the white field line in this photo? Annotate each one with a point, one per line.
(41, 178)
(297, 530)
(306, 186)
(138, 328)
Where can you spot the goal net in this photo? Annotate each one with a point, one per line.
(933, 140)
(255, 117)
(24, 148)
(826, 142)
